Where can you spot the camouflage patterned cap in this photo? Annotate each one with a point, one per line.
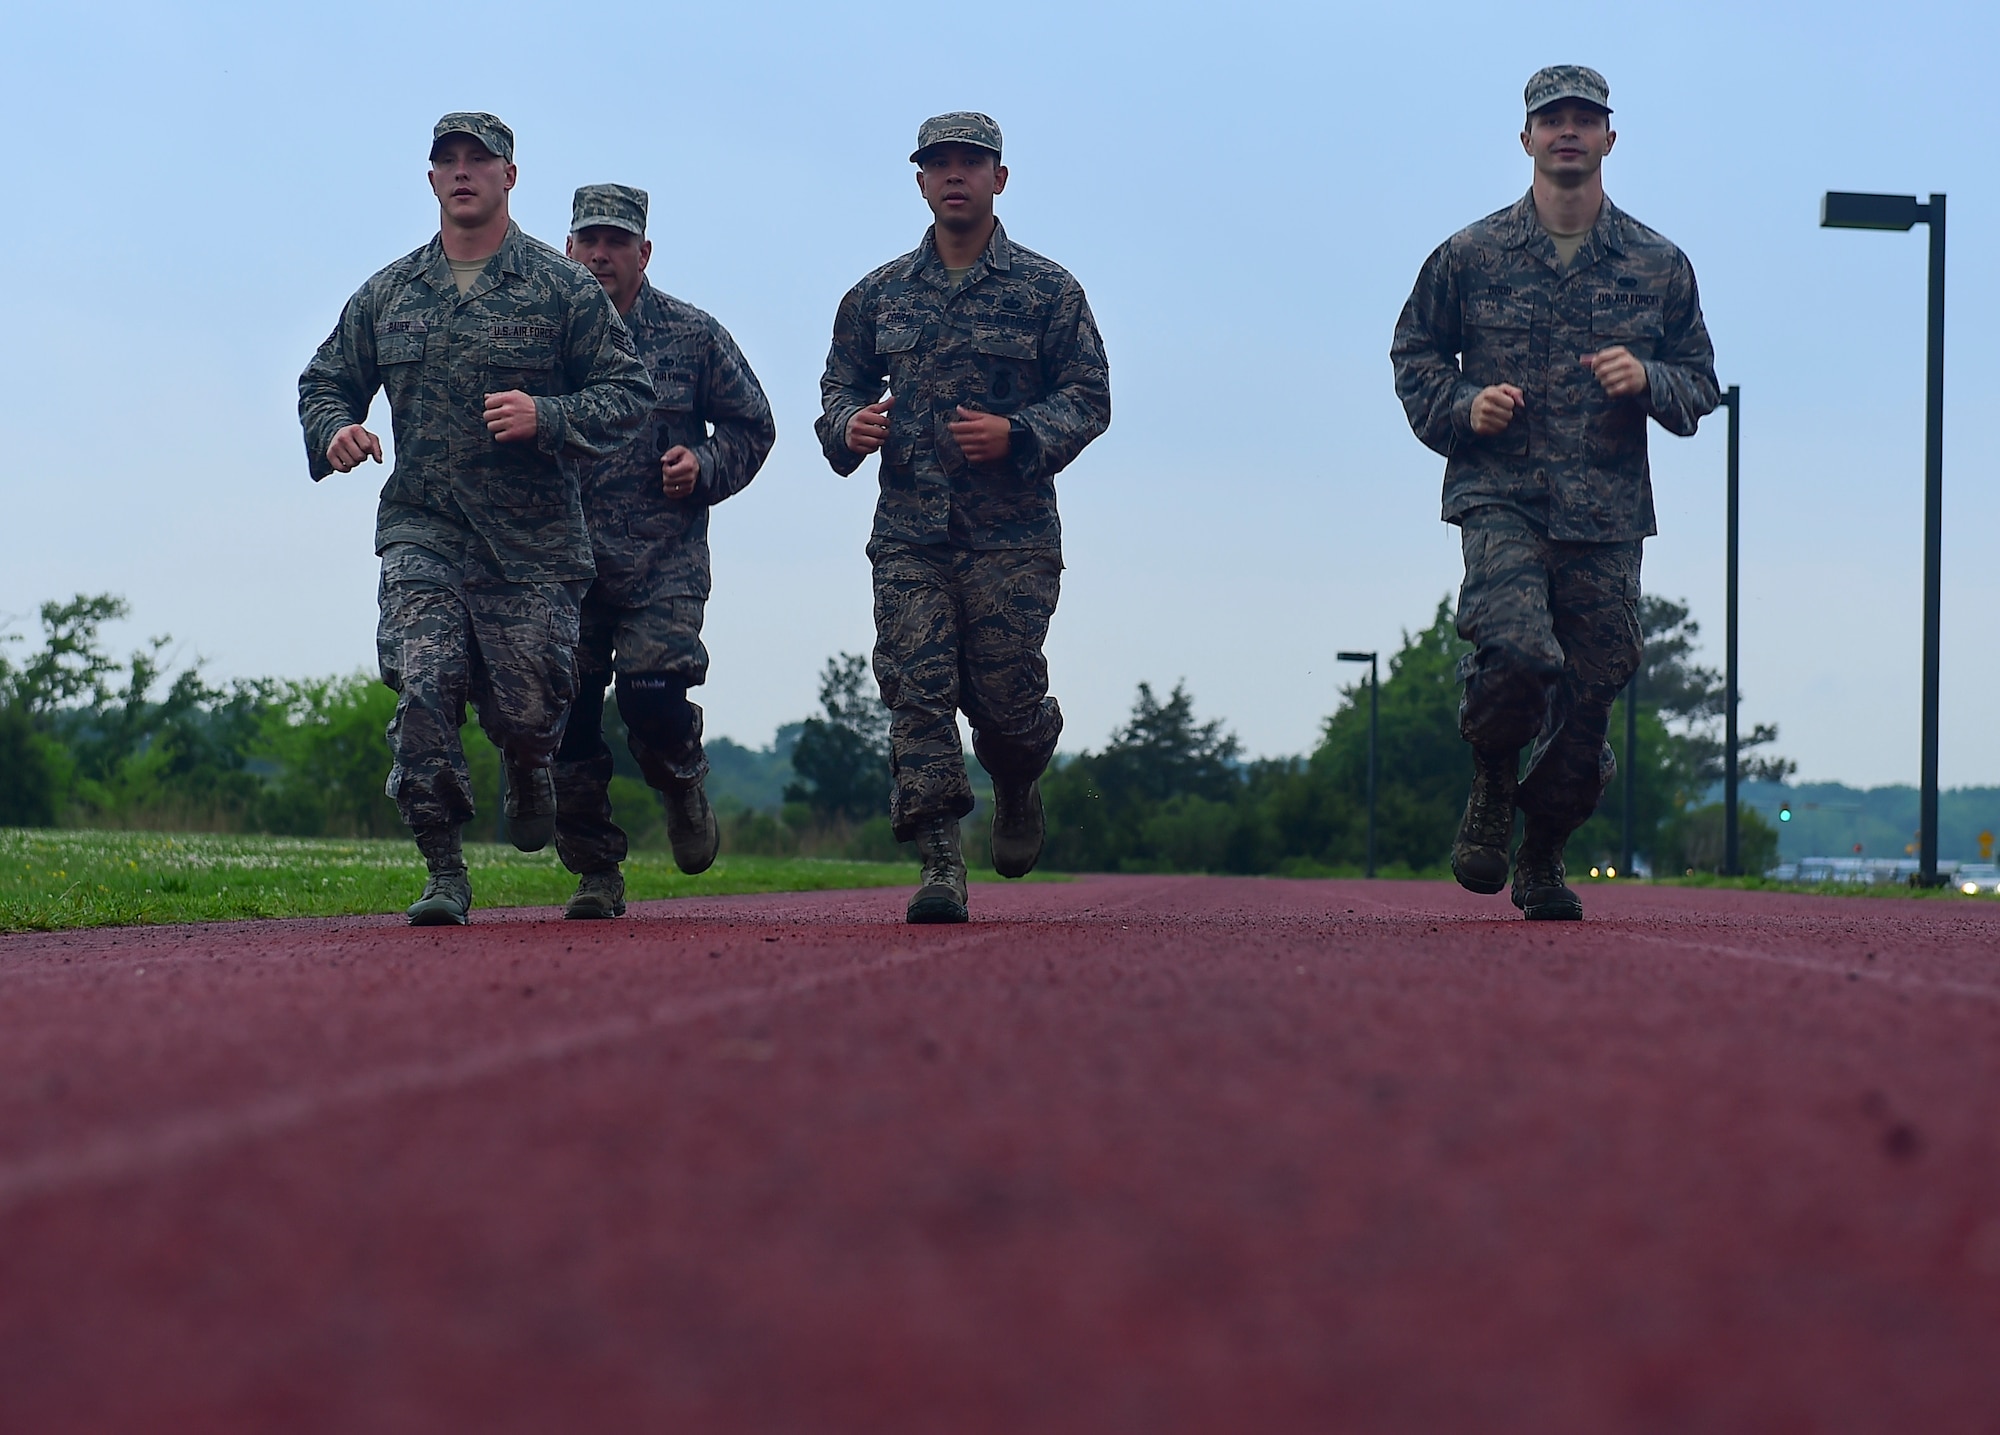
(1567, 82)
(485, 128)
(958, 127)
(617, 205)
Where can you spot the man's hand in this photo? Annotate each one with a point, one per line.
(1621, 375)
(1495, 407)
(680, 470)
(350, 446)
(982, 438)
(510, 417)
(868, 430)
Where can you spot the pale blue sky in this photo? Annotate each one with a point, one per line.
(1246, 193)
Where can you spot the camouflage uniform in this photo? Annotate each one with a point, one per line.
(1555, 506)
(967, 559)
(483, 544)
(643, 614)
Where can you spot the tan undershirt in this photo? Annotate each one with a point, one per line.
(465, 272)
(1566, 244)
(957, 276)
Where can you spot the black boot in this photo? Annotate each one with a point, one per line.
(1539, 889)
(1479, 855)
(1018, 826)
(942, 896)
(530, 807)
(447, 899)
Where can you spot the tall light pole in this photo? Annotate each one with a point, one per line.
(1901, 212)
(1374, 688)
(1732, 860)
(1631, 762)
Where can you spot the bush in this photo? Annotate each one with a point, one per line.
(1693, 842)
(28, 776)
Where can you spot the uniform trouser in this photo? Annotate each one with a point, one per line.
(445, 639)
(656, 653)
(961, 630)
(1555, 628)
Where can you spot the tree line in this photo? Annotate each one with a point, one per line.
(90, 740)
(1172, 793)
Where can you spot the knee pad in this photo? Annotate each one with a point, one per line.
(586, 723)
(656, 709)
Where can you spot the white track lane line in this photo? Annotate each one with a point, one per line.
(1842, 971)
(180, 1138)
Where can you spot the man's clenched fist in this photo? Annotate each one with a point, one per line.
(350, 446)
(1494, 409)
(1621, 375)
(981, 437)
(868, 430)
(680, 470)
(510, 417)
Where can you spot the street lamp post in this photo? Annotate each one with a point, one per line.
(1732, 857)
(1901, 212)
(1631, 760)
(1374, 688)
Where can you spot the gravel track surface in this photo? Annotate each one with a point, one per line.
(1124, 1154)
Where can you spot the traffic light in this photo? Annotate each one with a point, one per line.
(1785, 813)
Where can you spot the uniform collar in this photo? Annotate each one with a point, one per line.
(437, 268)
(647, 308)
(1607, 236)
(998, 255)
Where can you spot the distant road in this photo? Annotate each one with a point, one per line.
(1125, 1154)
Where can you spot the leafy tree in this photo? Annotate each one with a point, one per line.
(1165, 794)
(1423, 765)
(324, 737)
(1692, 702)
(842, 758)
(29, 782)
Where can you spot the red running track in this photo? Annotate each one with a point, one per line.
(1128, 1154)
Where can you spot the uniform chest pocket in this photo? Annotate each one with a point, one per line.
(1501, 315)
(1499, 339)
(521, 356)
(399, 349)
(1009, 366)
(1629, 319)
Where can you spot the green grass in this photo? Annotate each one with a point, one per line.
(54, 879)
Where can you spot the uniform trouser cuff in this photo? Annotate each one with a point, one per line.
(1021, 756)
(587, 840)
(672, 769)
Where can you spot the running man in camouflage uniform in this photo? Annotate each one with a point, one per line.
(504, 363)
(1532, 351)
(647, 505)
(997, 380)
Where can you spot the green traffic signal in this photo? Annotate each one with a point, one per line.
(1785, 813)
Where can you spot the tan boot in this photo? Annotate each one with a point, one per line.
(447, 898)
(691, 827)
(941, 898)
(1018, 827)
(530, 807)
(598, 895)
